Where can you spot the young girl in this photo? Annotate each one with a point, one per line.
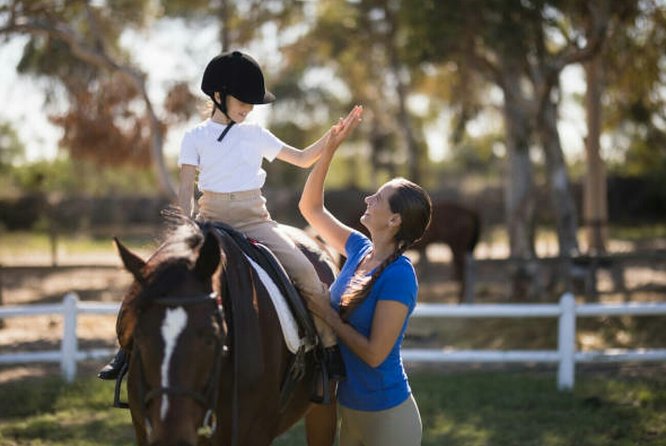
(374, 295)
(227, 154)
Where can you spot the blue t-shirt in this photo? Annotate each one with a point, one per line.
(365, 387)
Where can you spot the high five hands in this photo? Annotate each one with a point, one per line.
(343, 128)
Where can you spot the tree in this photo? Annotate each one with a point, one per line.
(512, 45)
(77, 43)
(360, 45)
(633, 67)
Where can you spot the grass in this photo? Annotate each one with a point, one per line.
(473, 408)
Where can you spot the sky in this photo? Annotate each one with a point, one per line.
(171, 47)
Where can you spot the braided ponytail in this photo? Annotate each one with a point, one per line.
(359, 287)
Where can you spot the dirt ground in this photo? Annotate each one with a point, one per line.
(40, 285)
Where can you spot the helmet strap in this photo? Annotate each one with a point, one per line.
(221, 105)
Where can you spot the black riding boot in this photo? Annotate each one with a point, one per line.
(112, 369)
(334, 363)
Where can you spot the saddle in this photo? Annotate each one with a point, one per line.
(263, 258)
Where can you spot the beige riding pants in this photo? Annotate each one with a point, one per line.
(246, 211)
(397, 426)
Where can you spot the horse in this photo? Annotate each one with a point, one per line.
(208, 359)
(453, 224)
(460, 228)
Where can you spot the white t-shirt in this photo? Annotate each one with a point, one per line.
(233, 164)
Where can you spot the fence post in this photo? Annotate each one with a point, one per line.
(69, 346)
(566, 342)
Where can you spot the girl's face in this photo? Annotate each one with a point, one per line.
(378, 215)
(238, 110)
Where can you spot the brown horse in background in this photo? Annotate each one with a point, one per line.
(455, 225)
(208, 358)
(459, 228)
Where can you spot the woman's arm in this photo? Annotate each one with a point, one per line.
(311, 204)
(387, 324)
(186, 190)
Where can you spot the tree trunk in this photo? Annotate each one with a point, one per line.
(164, 180)
(519, 191)
(595, 199)
(404, 120)
(559, 185)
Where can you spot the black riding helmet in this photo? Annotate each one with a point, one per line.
(236, 74)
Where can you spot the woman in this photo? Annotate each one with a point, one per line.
(371, 301)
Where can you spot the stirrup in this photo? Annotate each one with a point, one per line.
(116, 392)
(321, 378)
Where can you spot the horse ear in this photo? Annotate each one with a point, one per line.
(133, 263)
(209, 257)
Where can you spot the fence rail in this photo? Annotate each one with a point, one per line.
(565, 355)
(69, 353)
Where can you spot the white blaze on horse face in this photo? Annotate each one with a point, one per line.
(172, 326)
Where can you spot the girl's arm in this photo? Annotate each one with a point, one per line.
(311, 205)
(387, 323)
(302, 158)
(186, 190)
(308, 156)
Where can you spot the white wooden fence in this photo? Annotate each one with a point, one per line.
(69, 353)
(565, 355)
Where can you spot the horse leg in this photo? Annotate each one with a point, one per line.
(458, 260)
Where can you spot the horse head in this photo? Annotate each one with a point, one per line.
(179, 336)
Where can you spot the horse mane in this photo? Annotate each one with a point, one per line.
(181, 240)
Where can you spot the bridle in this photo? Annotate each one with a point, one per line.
(208, 398)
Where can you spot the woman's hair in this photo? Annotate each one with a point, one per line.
(414, 206)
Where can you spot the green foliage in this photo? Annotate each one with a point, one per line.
(635, 103)
(333, 54)
(78, 177)
(11, 147)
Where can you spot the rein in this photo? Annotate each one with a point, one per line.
(207, 398)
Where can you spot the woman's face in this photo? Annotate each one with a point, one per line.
(238, 110)
(378, 214)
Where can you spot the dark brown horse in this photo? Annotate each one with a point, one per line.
(459, 228)
(208, 358)
(455, 225)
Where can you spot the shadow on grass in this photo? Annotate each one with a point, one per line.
(467, 407)
(49, 411)
(480, 408)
